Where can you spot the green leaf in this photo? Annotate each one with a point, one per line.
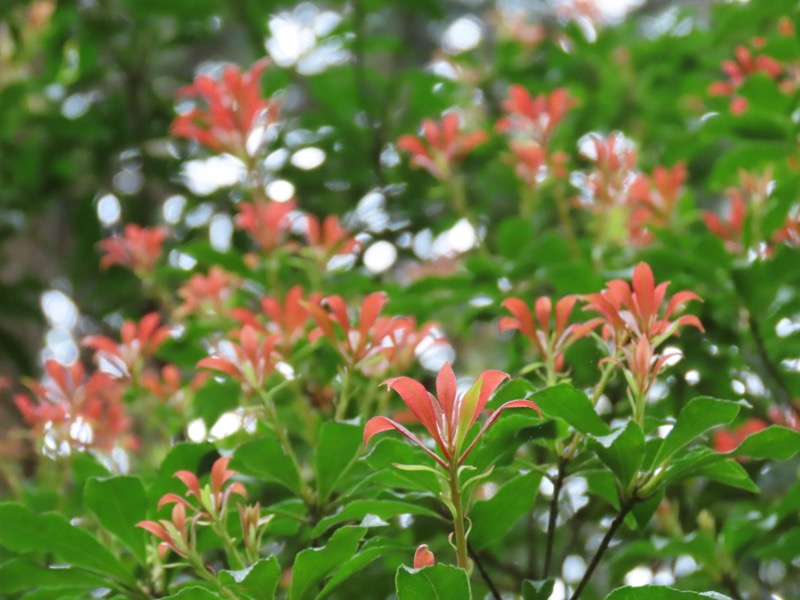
(339, 445)
(439, 582)
(572, 406)
(19, 574)
(653, 592)
(193, 593)
(258, 581)
(775, 443)
(602, 484)
(371, 551)
(312, 565)
(730, 473)
(513, 236)
(622, 451)
(537, 590)
(383, 509)
(22, 530)
(689, 464)
(196, 458)
(388, 452)
(265, 458)
(119, 503)
(643, 511)
(697, 417)
(214, 399)
(492, 519)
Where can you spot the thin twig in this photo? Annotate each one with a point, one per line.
(769, 365)
(362, 89)
(553, 519)
(598, 555)
(489, 583)
(730, 584)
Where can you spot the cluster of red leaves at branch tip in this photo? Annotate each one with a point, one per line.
(550, 343)
(746, 204)
(249, 362)
(229, 110)
(637, 318)
(748, 62)
(207, 294)
(531, 123)
(617, 193)
(139, 341)
(270, 224)
(441, 146)
(138, 248)
(210, 505)
(75, 410)
(448, 416)
(287, 319)
(377, 343)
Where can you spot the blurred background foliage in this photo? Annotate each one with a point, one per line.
(87, 95)
(87, 91)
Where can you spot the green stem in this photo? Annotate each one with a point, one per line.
(566, 223)
(458, 194)
(235, 560)
(460, 534)
(605, 375)
(201, 570)
(344, 395)
(283, 438)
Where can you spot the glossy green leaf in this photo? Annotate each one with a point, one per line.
(314, 564)
(697, 417)
(537, 590)
(194, 592)
(339, 445)
(492, 519)
(730, 473)
(119, 503)
(442, 582)
(572, 406)
(384, 509)
(689, 464)
(622, 451)
(266, 459)
(773, 443)
(22, 530)
(19, 575)
(653, 592)
(372, 550)
(258, 581)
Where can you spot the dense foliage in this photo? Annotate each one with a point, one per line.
(434, 300)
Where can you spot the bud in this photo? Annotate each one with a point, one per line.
(251, 521)
(423, 557)
(706, 523)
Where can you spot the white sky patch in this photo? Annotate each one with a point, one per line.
(108, 210)
(296, 39)
(380, 256)
(206, 176)
(220, 231)
(173, 209)
(463, 34)
(280, 190)
(308, 158)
